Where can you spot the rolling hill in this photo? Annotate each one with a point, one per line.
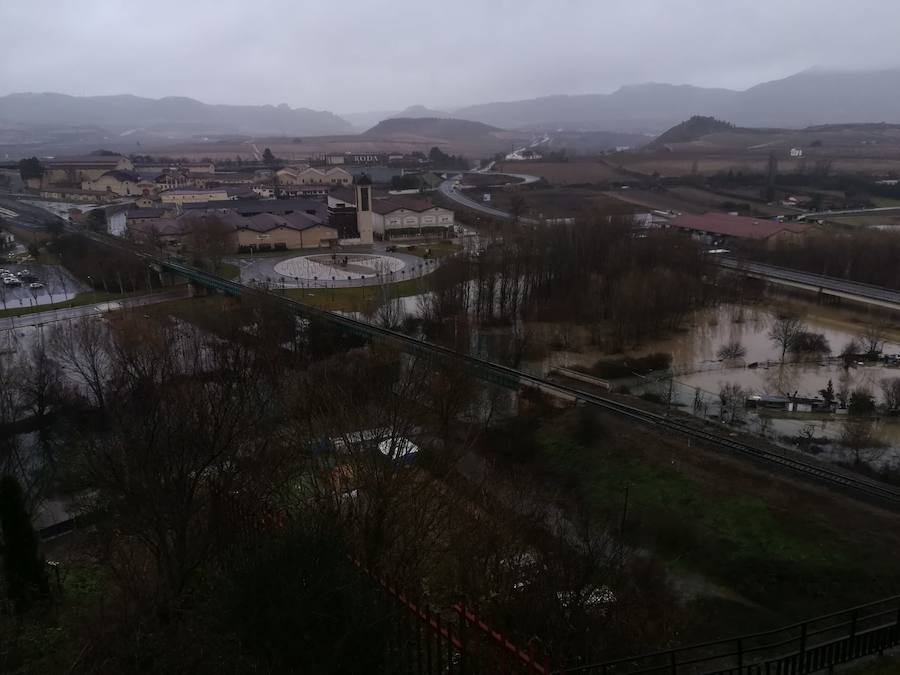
(432, 127)
(690, 130)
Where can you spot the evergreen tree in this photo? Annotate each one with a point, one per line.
(23, 566)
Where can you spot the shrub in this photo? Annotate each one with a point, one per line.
(806, 342)
(630, 365)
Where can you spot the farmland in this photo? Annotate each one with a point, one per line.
(566, 173)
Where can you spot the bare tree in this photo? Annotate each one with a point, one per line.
(389, 313)
(785, 332)
(82, 349)
(190, 460)
(517, 207)
(211, 239)
(857, 435)
(731, 400)
(872, 338)
(890, 389)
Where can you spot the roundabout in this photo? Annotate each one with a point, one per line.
(332, 270)
(349, 266)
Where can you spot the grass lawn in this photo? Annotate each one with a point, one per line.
(886, 665)
(785, 548)
(356, 298)
(227, 270)
(440, 249)
(88, 298)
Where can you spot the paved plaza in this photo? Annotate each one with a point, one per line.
(326, 270)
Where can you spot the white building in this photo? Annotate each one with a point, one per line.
(308, 175)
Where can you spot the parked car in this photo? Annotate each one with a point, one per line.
(35, 285)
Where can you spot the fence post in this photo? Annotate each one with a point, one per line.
(428, 633)
(674, 662)
(462, 638)
(896, 632)
(803, 647)
(740, 655)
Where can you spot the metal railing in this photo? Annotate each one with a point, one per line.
(454, 641)
(807, 647)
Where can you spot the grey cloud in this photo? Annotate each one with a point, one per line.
(367, 55)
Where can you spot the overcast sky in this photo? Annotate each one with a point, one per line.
(356, 55)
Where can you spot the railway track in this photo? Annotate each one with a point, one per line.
(847, 481)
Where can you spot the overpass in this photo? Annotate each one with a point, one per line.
(854, 291)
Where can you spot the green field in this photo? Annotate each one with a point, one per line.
(776, 551)
(355, 298)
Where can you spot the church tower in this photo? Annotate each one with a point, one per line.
(364, 214)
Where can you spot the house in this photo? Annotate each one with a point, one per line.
(393, 217)
(250, 207)
(198, 167)
(404, 217)
(267, 231)
(270, 191)
(118, 182)
(257, 232)
(137, 215)
(159, 232)
(70, 194)
(308, 175)
(172, 179)
(712, 228)
(73, 171)
(193, 196)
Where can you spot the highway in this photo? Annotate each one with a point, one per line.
(840, 288)
(850, 212)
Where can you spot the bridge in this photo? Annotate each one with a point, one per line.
(866, 294)
(760, 451)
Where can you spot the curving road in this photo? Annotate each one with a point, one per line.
(450, 188)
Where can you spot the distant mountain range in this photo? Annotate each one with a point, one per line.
(171, 117)
(46, 123)
(811, 97)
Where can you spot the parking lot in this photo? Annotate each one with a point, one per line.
(37, 285)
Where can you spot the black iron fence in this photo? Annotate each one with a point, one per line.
(808, 647)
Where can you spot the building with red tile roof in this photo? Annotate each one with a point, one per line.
(714, 227)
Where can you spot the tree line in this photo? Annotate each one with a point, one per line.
(627, 286)
(232, 463)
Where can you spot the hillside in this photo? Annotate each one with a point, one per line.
(420, 111)
(172, 117)
(690, 130)
(432, 127)
(811, 97)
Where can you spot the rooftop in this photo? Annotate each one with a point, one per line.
(736, 226)
(396, 202)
